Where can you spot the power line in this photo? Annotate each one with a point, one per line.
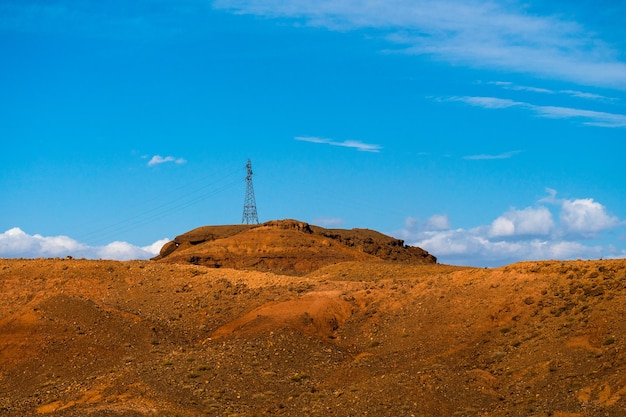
(167, 208)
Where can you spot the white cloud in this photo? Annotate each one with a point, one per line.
(124, 251)
(155, 247)
(15, 243)
(450, 242)
(437, 222)
(355, 144)
(586, 216)
(413, 225)
(158, 159)
(474, 247)
(484, 34)
(589, 117)
(530, 221)
(516, 235)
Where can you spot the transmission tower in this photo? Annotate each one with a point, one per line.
(250, 215)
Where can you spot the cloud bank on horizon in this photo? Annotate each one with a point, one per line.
(531, 233)
(553, 228)
(15, 243)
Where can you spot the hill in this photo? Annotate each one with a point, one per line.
(286, 247)
(364, 337)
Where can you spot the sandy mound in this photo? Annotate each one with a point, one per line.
(318, 313)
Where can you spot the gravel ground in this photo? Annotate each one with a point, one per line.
(141, 338)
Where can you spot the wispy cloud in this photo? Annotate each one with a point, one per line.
(511, 86)
(588, 96)
(15, 243)
(495, 35)
(486, 102)
(500, 35)
(550, 229)
(588, 117)
(504, 155)
(507, 85)
(158, 160)
(354, 144)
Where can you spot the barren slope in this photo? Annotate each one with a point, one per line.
(97, 338)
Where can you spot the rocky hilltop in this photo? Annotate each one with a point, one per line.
(287, 247)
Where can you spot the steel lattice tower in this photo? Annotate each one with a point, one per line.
(250, 215)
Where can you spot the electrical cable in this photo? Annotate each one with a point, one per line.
(166, 208)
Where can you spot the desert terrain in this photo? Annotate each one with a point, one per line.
(349, 328)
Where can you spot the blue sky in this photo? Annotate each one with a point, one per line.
(484, 132)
